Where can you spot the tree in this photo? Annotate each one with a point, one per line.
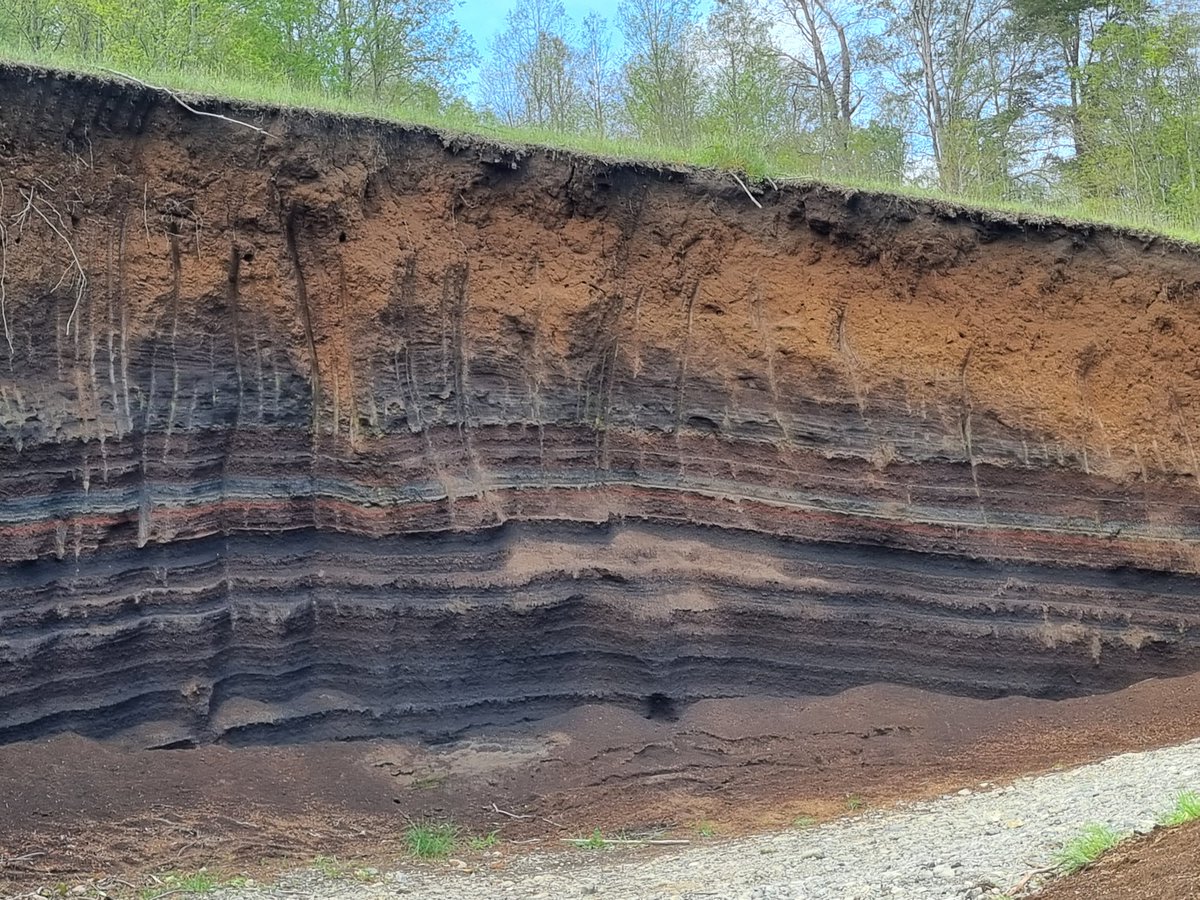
(286, 36)
(1070, 26)
(662, 75)
(398, 49)
(35, 24)
(1139, 113)
(529, 78)
(967, 74)
(821, 58)
(598, 74)
(746, 94)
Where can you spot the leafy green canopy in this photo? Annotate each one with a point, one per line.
(410, 51)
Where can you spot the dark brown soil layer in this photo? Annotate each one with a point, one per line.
(1164, 865)
(75, 808)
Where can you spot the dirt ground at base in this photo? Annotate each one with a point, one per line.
(73, 809)
(1164, 865)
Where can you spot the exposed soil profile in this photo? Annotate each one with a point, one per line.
(345, 431)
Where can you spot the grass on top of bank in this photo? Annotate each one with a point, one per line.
(756, 168)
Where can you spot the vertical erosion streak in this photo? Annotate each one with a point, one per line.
(455, 301)
(762, 326)
(602, 374)
(454, 313)
(305, 317)
(176, 282)
(404, 301)
(233, 297)
(685, 350)
(965, 420)
(233, 289)
(347, 354)
(123, 315)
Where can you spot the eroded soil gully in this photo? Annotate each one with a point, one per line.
(346, 430)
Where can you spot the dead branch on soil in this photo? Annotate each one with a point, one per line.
(742, 185)
(112, 879)
(178, 99)
(25, 857)
(1028, 877)
(494, 808)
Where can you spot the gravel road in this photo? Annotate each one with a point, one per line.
(976, 843)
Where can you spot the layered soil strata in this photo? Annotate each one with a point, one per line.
(337, 428)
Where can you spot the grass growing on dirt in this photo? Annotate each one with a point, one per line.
(757, 168)
(803, 822)
(594, 841)
(1186, 809)
(332, 867)
(485, 841)
(431, 840)
(329, 866)
(1083, 850)
(199, 882)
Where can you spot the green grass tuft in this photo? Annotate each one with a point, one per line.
(431, 840)
(594, 841)
(484, 842)
(329, 866)
(1186, 809)
(332, 867)
(199, 882)
(1081, 851)
(803, 822)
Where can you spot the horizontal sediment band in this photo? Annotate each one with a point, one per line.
(307, 634)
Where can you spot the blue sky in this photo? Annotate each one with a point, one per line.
(483, 18)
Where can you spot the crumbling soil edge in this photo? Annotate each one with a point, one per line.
(511, 154)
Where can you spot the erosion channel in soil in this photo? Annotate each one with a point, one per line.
(335, 429)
